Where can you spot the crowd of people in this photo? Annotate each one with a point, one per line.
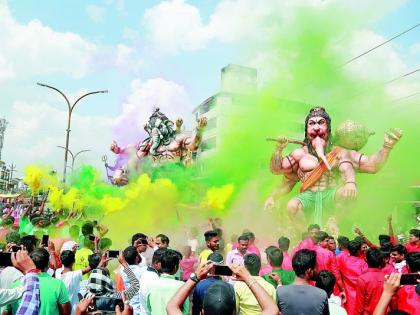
(320, 275)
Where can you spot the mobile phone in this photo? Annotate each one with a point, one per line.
(6, 259)
(106, 304)
(221, 270)
(15, 248)
(409, 278)
(92, 238)
(45, 239)
(113, 253)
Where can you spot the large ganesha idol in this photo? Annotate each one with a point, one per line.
(165, 142)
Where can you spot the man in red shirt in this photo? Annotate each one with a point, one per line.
(284, 243)
(343, 245)
(350, 269)
(332, 245)
(369, 285)
(325, 260)
(406, 299)
(309, 242)
(414, 241)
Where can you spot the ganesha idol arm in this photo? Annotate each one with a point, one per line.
(348, 174)
(192, 143)
(289, 181)
(374, 163)
(280, 164)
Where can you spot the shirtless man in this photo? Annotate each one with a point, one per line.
(316, 164)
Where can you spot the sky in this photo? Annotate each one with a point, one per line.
(149, 53)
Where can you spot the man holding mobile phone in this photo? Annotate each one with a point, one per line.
(30, 289)
(246, 303)
(406, 298)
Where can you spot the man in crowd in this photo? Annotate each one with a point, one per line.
(309, 242)
(326, 281)
(161, 291)
(252, 248)
(133, 259)
(406, 298)
(325, 260)
(236, 256)
(350, 269)
(278, 275)
(343, 244)
(71, 279)
(139, 241)
(29, 291)
(162, 241)
(246, 302)
(284, 244)
(332, 245)
(202, 286)
(370, 284)
(413, 244)
(212, 243)
(54, 298)
(149, 276)
(398, 255)
(300, 297)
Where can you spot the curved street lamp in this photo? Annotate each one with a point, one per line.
(70, 108)
(73, 156)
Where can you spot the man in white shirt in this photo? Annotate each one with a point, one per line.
(133, 259)
(326, 282)
(72, 279)
(237, 255)
(149, 275)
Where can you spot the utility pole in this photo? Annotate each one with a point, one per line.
(3, 125)
(70, 111)
(12, 169)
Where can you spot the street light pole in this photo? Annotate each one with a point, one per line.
(73, 156)
(70, 108)
(12, 168)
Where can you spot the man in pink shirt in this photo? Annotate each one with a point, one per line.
(309, 242)
(414, 241)
(343, 244)
(350, 269)
(236, 256)
(284, 243)
(406, 299)
(325, 260)
(369, 285)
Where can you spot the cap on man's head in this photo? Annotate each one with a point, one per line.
(219, 299)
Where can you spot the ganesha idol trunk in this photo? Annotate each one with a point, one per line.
(319, 145)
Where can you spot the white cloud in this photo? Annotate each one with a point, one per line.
(36, 129)
(371, 66)
(175, 25)
(127, 58)
(34, 48)
(169, 96)
(96, 13)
